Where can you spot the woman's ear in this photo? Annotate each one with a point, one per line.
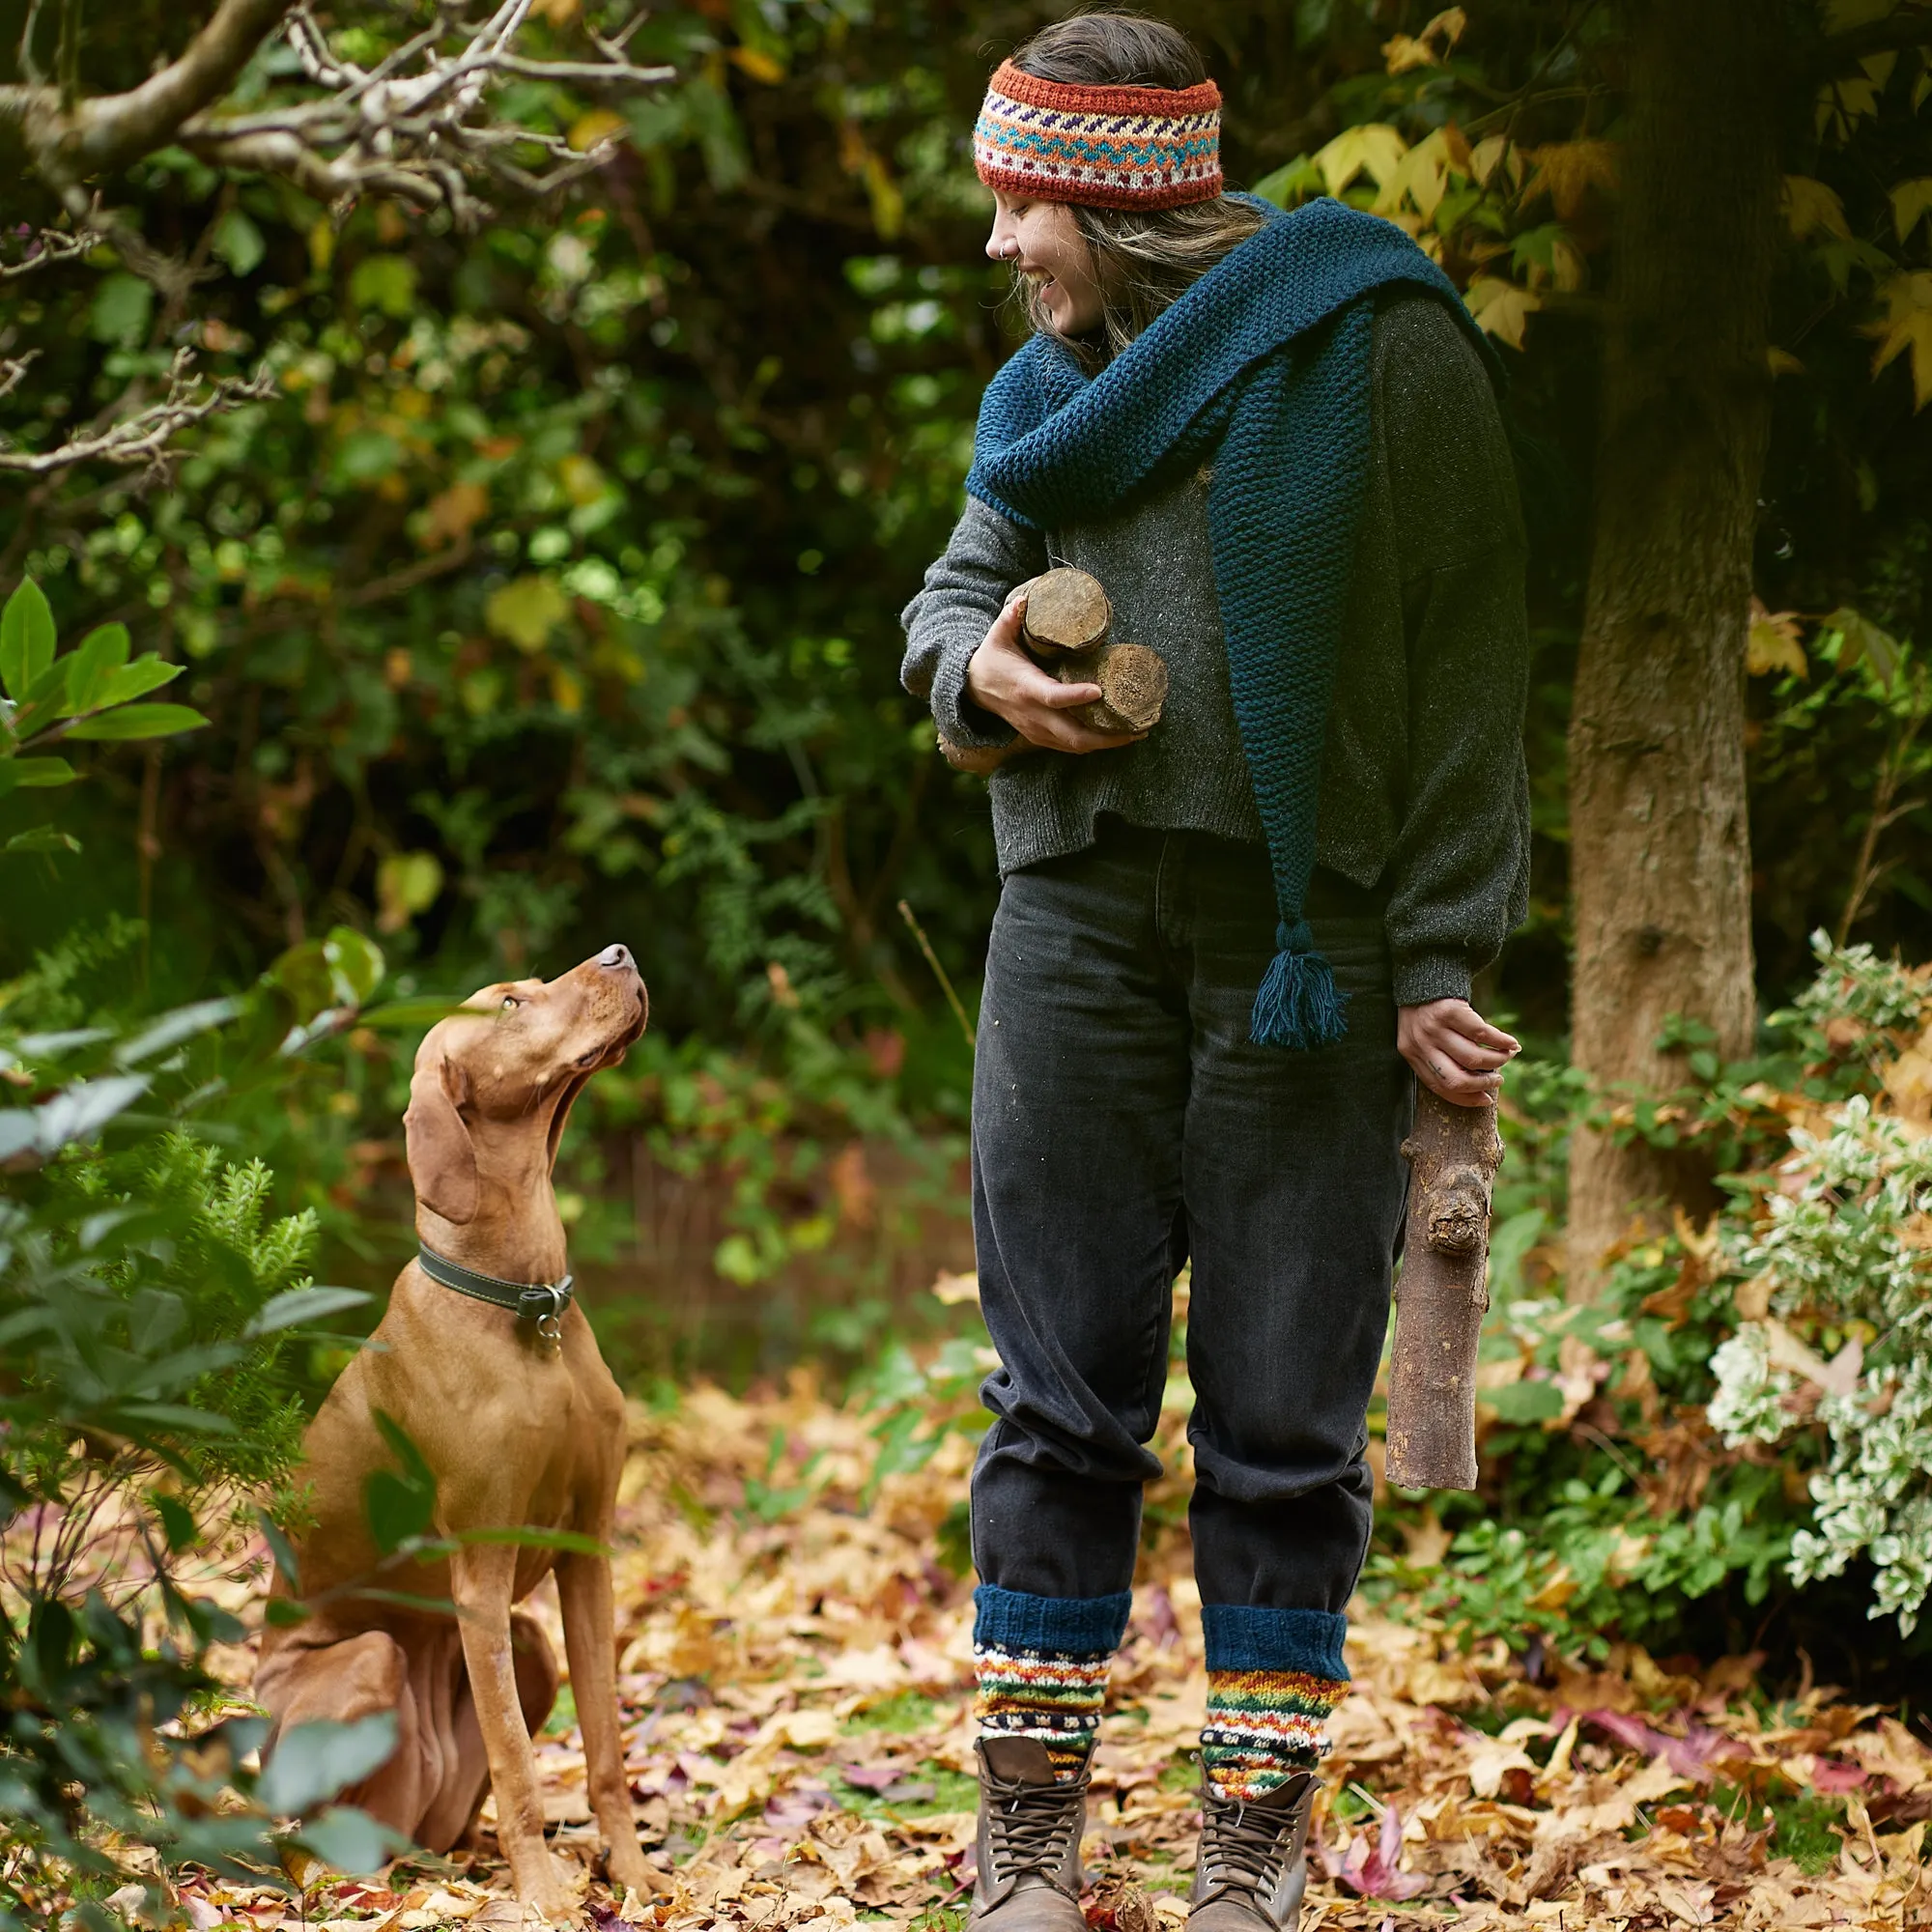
(443, 1162)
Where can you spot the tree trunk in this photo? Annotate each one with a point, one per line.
(1659, 844)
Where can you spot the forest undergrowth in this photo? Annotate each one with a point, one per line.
(796, 1670)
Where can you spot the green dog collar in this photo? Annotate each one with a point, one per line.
(540, 1301)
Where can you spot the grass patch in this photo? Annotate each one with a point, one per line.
(1805, 1826)
(563, 1718)
(905, 1712)
(1805, 1832)
(952, 1791)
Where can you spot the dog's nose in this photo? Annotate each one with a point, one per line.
(614, 957)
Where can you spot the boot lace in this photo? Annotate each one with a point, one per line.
(1243, 1847)
(1030, 1827)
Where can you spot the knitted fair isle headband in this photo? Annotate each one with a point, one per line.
(1109, 147)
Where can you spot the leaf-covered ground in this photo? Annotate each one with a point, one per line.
(795, 1666)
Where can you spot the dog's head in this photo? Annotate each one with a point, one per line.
(510, 1065)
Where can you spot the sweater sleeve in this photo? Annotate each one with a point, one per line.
(1460, 878)
(946, 623)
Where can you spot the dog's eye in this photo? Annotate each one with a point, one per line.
(511, 1003)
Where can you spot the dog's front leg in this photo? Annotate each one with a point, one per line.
(590, 1641)
(483, 1579)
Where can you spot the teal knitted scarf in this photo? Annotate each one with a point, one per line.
(1262, 364)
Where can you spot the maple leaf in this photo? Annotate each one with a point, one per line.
(1842, 105)
(1907, 326)
(1771, 643)
(1566, 170)
(1911, 201)
(1810, 206)
(1407, 51)
(1501, 309)
(1373, 1873)
(1374, 148)
(1422, 174)
(1496, 151)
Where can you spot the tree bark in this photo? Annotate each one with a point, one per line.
(1660, 844)
(1439, 1303)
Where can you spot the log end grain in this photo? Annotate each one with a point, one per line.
(1132, 681)
(1065, 610)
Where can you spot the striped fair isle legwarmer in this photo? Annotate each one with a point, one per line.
(1274, 1678)
(1041, 1664)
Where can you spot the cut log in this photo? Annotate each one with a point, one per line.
(1444, 1293)
(1132, 681)
(1065, 610)
(1133, 687)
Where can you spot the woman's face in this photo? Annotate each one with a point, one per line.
(1043, 242)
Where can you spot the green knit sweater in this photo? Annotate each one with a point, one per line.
(1424, 795)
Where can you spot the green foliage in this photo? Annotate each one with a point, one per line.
(1629, 1474)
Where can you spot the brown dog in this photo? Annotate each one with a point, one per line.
(523, 1428)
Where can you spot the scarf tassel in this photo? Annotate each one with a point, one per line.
(1299, 1006)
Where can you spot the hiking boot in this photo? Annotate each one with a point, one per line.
(1030, 1827)
(1252, 1868)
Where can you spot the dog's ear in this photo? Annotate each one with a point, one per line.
(443, 1162)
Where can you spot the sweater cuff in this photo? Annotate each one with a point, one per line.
(1422, 977)
(959, 720)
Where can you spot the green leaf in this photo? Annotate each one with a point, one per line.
(41, 704)
(526, 610)
(387, 282)
(301, 1305)
(521, 1537)
(43, 838)
(1864, 639)
(395, 1510)
(1292, 184)
(172, 1028)
(238, 243)
(355, 964)
(280, 1548)
(350, 1840)
(140, 721)
(1526, 1402)
(26, 639)
(425, 1009)
(97, 657)
(316, 1760)
(33, 774)
(398, 1507)
(178, 1523)
(121, 308)
(148, 672)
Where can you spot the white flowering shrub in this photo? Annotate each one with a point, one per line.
(1835, 1260)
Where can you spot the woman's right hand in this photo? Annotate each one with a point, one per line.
(1001, 678)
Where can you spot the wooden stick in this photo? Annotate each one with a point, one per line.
(1442, 1295)
(939, 973)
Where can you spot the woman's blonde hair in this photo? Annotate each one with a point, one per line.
(1144, 257)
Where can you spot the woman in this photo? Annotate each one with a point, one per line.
(1222, 945)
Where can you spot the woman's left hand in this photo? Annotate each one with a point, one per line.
(1454, 1050)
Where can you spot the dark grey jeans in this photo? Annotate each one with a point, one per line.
(1123, 1125)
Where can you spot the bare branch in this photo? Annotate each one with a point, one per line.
(13, 368)
(109, 131)
(51, 246)
(1906, 26)
(417, 125)
(142, 438)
